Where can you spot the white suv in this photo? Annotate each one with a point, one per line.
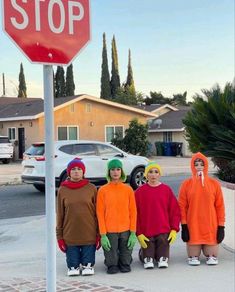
(95, 156)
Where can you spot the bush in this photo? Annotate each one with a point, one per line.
(135, 140)
(226, 170)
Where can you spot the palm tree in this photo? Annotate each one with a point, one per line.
(210, 128)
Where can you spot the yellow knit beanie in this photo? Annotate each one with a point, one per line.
(151, 165)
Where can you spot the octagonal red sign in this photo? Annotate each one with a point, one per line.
(48, 31)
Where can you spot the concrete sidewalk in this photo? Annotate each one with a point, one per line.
(23, 260)
(23, 256)
(11, 173)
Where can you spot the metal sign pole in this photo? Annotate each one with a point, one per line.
(50, 179)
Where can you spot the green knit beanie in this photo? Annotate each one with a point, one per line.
(115, 163)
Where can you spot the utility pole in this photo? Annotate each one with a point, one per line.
(3, 85)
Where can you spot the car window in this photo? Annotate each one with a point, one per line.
(107, 150)
(84, 149)
(4, 140)
(36, 149)
(67, 149)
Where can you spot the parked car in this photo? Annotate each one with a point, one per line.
(94, 154)
(6, 150)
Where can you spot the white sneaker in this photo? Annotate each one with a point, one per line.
(211, 261)
(73, 272)
(193, 261)
(88, 270)
(148, 263)
(163, 262)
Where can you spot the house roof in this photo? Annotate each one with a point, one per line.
(33, 108)
(170, 121)
(155, 107)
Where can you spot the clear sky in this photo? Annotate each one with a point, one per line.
(176, 46)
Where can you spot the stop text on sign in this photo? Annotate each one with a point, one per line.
(48, 31)
(75, 12)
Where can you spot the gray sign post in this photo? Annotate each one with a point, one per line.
(50, 178)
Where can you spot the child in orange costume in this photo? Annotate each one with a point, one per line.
(202, 213)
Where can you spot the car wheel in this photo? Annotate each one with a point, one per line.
(39, 187)
(137, 178)
(6, 161)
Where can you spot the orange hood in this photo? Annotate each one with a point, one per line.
(199, 155)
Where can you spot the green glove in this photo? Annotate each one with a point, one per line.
(131, 240)
(172, 236)
(142, 240)
(105, 242)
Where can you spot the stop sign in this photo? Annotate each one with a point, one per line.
(48, 31)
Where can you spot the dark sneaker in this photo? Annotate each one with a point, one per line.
(125, 268)
(112, 270)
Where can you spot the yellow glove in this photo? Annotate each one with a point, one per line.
(142, 239)
(172, 236)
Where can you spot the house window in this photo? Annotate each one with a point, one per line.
(67, 133)
(88, 107)
(167, 136)
(12, 133)
(113, 131)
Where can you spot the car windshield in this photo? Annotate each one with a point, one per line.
(4, 140)
(35, 149)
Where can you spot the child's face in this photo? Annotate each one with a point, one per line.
(76, 174)
(115, 174)
(153, 175)
(199, 165)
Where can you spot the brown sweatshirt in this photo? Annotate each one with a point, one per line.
(76, 215)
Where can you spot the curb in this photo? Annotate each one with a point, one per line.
(228, 248)
(16, 181)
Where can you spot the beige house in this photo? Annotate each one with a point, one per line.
(168, 125)
(81, 117)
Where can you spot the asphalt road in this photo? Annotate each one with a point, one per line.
(24, 200)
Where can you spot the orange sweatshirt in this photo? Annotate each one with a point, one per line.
(116, 208)
(202, 206)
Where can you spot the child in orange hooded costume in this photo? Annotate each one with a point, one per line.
(202, 213)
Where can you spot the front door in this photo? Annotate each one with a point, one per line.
(21, 138)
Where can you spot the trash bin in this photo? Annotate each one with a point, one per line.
(174, 148)
(179, 147)
(167, 149)
(159, 148)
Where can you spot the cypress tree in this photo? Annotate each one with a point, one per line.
(70, 86)
(130, 80)
(105, 91)
(22, 92)
(59, 82)
(54, 84)
(115, 79)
